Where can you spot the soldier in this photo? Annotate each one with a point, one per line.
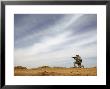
(78, 61)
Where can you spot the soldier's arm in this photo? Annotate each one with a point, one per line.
(74, 58)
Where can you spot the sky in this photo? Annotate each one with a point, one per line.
(53, 39)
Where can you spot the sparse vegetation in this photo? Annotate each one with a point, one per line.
(54, 71)
(19, 67)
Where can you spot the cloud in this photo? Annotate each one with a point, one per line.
(52, 39)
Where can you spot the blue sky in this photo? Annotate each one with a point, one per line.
(52, 39)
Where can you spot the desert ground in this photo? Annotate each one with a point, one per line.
(48, 71)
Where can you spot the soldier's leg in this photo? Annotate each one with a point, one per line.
(74, 64)
(79, 65)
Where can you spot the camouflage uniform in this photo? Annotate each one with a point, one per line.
(78, 60)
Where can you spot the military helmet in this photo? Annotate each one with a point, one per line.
(77, 55)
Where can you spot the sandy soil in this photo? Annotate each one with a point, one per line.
(56, 72)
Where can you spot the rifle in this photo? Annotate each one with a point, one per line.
(74, 57)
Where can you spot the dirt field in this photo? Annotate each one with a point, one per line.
(56, 72)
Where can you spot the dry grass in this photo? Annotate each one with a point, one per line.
(56, 72)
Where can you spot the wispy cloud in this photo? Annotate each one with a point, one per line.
(52, 39)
